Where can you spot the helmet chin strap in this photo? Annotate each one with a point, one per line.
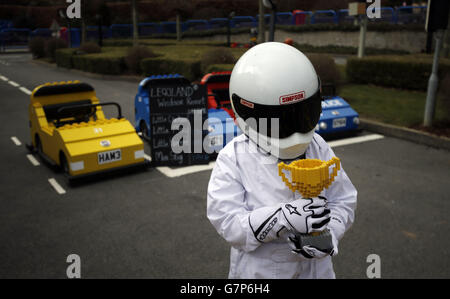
(263, 151)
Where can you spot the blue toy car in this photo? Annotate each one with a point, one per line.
(337, 115)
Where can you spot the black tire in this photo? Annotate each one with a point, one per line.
(38, 144)
(144, 130)
(64, 166)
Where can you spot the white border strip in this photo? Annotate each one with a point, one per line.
(180, 171)
(56, 186)
(15, 84)
(16, 141)
(33, 160)
(25, 90)
(354, 140)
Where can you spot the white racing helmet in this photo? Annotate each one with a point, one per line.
(276, 81)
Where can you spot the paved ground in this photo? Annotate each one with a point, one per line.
(149, 225)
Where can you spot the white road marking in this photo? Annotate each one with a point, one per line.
(180, 171)
(4, 78)
(147, 157)
(56, 186)
(354, 140)
(16, 141)
(25, 90)
(14, 83)
(33, 160)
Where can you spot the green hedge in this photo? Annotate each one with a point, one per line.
(345, 50)
(348, 27)
(191, 69)
(109, 63)
(219, 68)
(98, 64)
(406, 72)
(63, 58)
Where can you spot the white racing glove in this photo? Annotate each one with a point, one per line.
(313, 246)
(299, 216)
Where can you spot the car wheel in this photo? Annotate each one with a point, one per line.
(144, 130)
(63, 164)
(38, 144)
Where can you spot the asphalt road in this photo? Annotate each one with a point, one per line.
(148, 225)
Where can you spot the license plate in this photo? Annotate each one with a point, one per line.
(339, 122)
(216, 140)
(109, 157)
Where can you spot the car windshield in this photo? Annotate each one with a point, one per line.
(73, 112)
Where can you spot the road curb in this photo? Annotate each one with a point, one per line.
(406, 133)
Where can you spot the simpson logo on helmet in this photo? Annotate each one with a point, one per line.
(292, 98)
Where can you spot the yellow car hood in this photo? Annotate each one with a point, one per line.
(98, 136)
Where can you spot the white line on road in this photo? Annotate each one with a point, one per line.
(354, 140)
(15, 84)
(25, 90)
(4, 78)
(147, 157)
(33, 160)
(56, 186)
(16, 141)
(180, 171)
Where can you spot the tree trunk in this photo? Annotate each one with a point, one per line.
(83, 22)
(446, 46)
(262, 25)
(178, 27)
(135, 22)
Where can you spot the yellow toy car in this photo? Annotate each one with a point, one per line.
(70, 130)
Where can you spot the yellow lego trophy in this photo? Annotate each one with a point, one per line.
(309, 177)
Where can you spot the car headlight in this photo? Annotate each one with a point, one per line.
(77, 166)
(139, 154)
(356, 120)
(323, 125)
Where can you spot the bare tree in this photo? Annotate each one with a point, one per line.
(262, 24)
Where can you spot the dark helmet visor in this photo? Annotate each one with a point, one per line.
(299, 117)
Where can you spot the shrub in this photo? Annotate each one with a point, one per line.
(407, 72)
(90, 48)
(100, 64)
(217, 56)
(335, 49)
(190, 69)
(63, 58)
(219, 68)
(52, 45)
(444, 92)
(37, 47)
(326, 69)
(135, 56)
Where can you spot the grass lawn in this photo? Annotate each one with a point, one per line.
(393, 106)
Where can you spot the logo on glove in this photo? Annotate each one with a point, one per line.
(268, 229)
(292, 210)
